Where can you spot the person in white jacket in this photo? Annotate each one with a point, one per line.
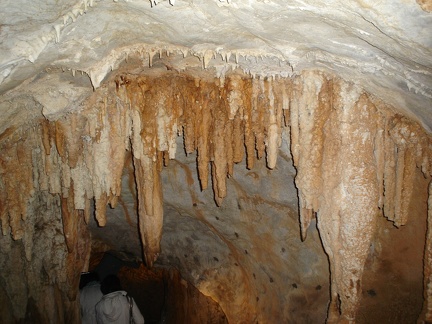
(116, 306)
(90, 295)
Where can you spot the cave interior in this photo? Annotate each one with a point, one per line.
(231, 161)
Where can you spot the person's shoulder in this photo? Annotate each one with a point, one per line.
(115, 294)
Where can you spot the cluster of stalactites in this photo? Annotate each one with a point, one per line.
(354, 160)
(399, 144)
(81, 156)
(78, 157)
(220, 122)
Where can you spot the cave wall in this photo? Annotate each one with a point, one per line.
(188, 305)
(393, 274)
(40, 275)
(246, 254)
(354, 157)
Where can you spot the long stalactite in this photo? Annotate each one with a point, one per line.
(426, 315)
(355, 158)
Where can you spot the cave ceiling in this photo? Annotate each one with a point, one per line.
(315, 116)
(384, 47)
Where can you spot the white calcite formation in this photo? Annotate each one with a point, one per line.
(87, 86)
(384, 47)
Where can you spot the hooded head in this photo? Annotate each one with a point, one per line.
(110, 284)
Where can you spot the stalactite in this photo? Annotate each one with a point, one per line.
(203, 144)
(119, 132)
(248, 132)
(424, 160)
(426, 316)
(311, 106)
(352, 157)
(46, 136)
(65, 179)
(145, 103)
(379, 152)
(150, 208)
(259, 107)
(87, 212)
(274, 138)
(75, 147)
(409, 142)
(272, 143)
(79, 176)
(229, 148)
(17, 181)
(234, 95)
(348, 206)
(191, 105)
(53, 171)
(400, 168)
(171, 128)
(389, 175)
(219, 164)
(104, 156)
(238, 138)
(100, 209)
(70, 221)
(295, 126)
(4, 213)
(60, 140)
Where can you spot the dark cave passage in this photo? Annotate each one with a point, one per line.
(161, 294)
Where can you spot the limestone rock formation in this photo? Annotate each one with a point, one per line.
(258, 147)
